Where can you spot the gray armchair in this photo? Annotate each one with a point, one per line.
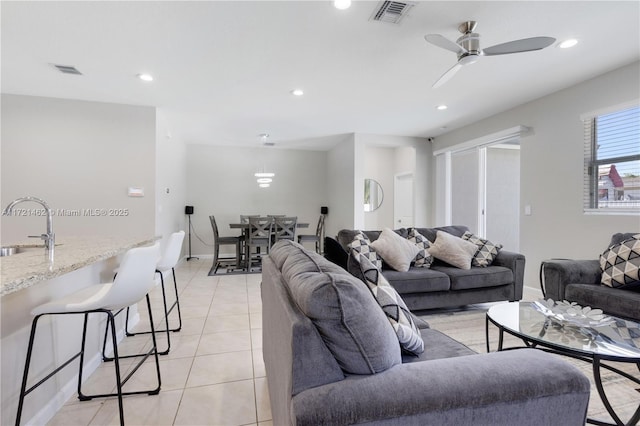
(579, 281)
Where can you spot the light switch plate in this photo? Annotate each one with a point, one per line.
(135, 191)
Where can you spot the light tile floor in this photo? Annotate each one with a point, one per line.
(214, 373)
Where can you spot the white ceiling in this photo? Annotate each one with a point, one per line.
(223, 70)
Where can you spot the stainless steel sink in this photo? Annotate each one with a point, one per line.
(9, 250)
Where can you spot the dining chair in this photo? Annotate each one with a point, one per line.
(317, 238)
(258, 236)
(133, 282)
(218, 241)
(244, 218)
(284, 228)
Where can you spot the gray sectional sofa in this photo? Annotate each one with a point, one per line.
(320, 323)
(579, 281)
(442, 285)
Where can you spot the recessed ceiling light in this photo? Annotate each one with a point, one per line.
(342, 4)
(568, 43)
(264, 180)
(264, 175)
(264, 185)
(297, 92)
(145, 77)
(441, 107)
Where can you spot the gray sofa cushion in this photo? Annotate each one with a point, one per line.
(297, 352)
(621, 303)
(518, 387)
(417, 280)
(431, 233)
(342, 308)
(463, 279)
(438, 346)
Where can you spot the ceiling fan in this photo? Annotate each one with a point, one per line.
(467, 47)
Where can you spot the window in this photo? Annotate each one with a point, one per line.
(612, 162)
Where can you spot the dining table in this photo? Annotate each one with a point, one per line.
(245, 226)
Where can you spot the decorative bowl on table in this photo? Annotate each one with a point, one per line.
(570, 313)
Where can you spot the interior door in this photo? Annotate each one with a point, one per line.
(403, 200)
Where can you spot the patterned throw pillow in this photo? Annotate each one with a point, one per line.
(362, 247)
(620, 264)
(393, 306)
(487, 251)
(423, 258)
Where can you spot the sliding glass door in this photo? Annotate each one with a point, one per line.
(465, 197)
(482, 191)
(502, 204)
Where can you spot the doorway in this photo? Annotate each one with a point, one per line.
(403, 200)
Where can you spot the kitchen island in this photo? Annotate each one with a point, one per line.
(30, 265)
(28, 280)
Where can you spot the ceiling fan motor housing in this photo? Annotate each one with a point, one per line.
(471, 43)
(469, 40)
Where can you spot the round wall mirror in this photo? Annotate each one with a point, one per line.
(373, 195)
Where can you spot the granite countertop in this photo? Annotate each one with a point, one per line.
(31, 265)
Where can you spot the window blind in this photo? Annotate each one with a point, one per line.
(612, 161)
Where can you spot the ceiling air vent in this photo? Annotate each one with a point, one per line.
(67, 69)
(392, 11)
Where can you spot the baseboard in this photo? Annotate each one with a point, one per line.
(199, 256)
(47, 412)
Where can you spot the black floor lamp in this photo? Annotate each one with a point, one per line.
(188, 210)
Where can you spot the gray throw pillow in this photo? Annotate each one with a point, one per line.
(341, 307)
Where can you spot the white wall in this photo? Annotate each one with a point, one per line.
(384, 157)
(379, 166)
(343, 190)
(553, 154)
(171, 180)
(221, 182)
(74, 155)
(77, 155)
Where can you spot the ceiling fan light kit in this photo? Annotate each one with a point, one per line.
(467, 48)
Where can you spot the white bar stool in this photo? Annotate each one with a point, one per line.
(134, 281)
(167, 263)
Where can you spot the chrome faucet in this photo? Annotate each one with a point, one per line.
(49, 238)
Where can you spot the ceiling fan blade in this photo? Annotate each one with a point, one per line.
(516, 46)
(447, 75)
(445, 43)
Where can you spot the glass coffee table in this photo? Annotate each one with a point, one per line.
(614, 339)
